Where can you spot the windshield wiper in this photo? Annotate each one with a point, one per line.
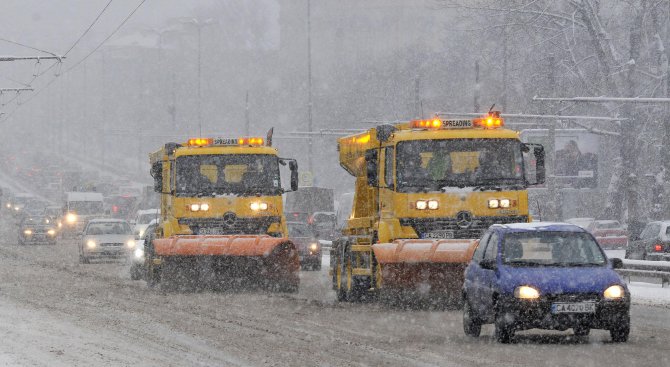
(524, 263)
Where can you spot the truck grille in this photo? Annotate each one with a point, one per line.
(230, 224)
(475, 230)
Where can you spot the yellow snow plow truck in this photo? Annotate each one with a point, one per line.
(425, 191)
(221, 216)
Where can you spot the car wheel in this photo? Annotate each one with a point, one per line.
(619, 333)
(135, 272)
(581, 330)
(471, 325)
(504, 330)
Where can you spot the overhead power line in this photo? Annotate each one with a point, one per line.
(107, 38)
(26, 46)
(40, 90)
(89, 28)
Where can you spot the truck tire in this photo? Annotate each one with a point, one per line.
(135, 272)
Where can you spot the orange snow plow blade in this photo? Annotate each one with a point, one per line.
(211, 245)
(439, 264)
(253, 257)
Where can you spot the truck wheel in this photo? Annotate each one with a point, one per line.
(471, 324)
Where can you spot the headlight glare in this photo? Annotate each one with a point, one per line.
(195, 207)
(433, 204)
(139, 253)
(526, 292)
(254, 206)
(204, 207)
(28, 232)
(130, 243)
(313, 247)
(614, 292)
(90, 244)
(71, 217)
(421, 205)
(263, 206)
(494, 204)
(51, 232)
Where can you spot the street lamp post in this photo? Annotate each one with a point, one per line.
(199, 24)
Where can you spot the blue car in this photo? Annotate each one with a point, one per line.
(551, 276)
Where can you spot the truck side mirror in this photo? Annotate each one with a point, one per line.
(371, 159)
(157, 173)
(293, 166)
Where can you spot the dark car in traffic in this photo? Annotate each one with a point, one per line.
(551, 276)
(309, 248)
(652, 244)
(36, 230)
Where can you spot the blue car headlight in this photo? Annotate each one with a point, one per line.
(526, 292)
(614, 292)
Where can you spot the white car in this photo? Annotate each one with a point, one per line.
(581, 222)
(106, 238)
(143, 219)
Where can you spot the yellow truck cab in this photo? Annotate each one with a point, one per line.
(425, 190)
(221, 203)
(220, 186)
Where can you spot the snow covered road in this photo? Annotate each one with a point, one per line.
(54, 311)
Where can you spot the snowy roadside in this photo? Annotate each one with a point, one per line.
(649, 294)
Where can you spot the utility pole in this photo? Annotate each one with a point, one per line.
(199, 79)
(551, 183)
(199, 24)
(477, 87)
(309, 87)
(246, 115)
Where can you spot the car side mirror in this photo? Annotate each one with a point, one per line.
(488, 264)
(616, 263)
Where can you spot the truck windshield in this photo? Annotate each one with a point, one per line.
(86, 207)
(437, 165)
(551, 249)
(240, 174)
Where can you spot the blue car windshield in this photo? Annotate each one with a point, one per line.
(551, 249)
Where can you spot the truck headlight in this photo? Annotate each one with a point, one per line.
(51, 232)
(433, 204)
(614, 292)
(526, 292)
(71, 218)
(258, 205)
(130, 243)
(504, 203)
(28, 232)
(313, 247)
(199, 207)
(421, 204)
(9, 205)
(139, 253)
(91, 244)
(494, 204)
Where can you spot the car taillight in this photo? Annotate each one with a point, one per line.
(658, 247)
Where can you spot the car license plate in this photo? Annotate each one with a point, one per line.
(439, 235)
(579, 307)
(210, 231)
